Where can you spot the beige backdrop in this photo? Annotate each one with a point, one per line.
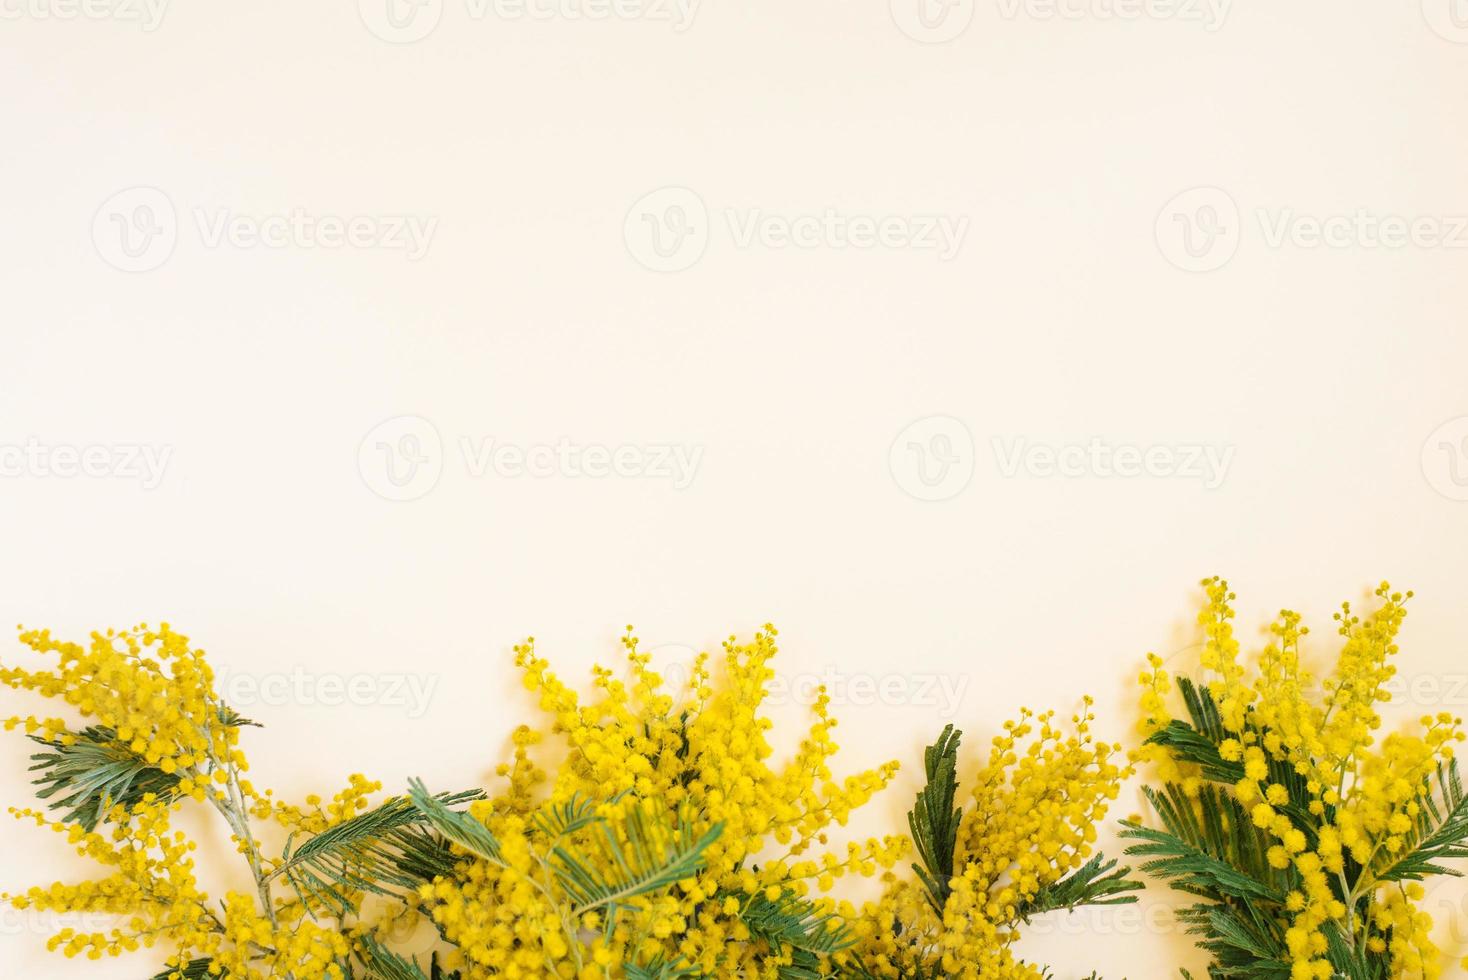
(959, 339)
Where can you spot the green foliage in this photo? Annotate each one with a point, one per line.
(461, 828)
(381, 964)
(561, 820)
(1441, 833)
(934, 818)
(659, 969)
(1209, 847)
(792, 923)
(193, 970)
(96, 771)
(650, 858)
(1097, 882)
(94, 774)
(386, 851)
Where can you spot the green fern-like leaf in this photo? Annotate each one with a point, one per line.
(1441, 833)
(564, 819)
(1191, 869)
(934, 819)
(1097, 882)
(380, 963)
(659, 969)
(650, 858)
(95, 773)
(1188, 744)
(792, 922)
(461, 828)
(193, 970)
(386, 851)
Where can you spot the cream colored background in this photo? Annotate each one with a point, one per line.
(1062, 318)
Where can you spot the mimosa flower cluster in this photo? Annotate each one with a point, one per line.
(699, 759)
(1032, 822)
(1333, 824)
(668, 841)
(650, 833)
(160, 738)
